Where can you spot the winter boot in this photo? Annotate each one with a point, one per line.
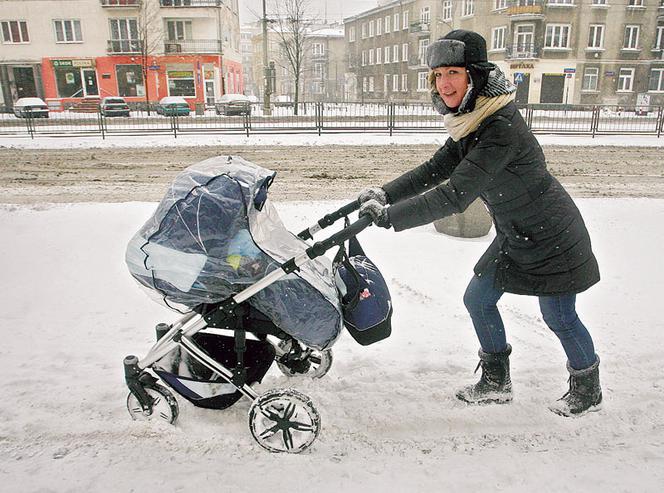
(495, 386)
(584, 394)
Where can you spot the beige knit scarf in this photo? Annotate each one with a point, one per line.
(458, 126)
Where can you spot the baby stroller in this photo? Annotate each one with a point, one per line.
(250, 293)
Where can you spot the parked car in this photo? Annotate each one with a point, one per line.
(114, 106)
(34, 107)
(173, 105)
(233, 104)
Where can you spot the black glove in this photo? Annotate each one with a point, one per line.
(378, 213)
(372, 193)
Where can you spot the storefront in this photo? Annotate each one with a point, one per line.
(19, 80)
(197, 78)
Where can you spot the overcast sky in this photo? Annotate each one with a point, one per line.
(336, 9)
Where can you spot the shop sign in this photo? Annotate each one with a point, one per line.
(569, 70)
(72, 63)
(522, 65)
(154, 67)
(609, 73)
(181, 74)
(209, 74)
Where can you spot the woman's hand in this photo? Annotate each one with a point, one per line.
(372, 193)
(378, 213)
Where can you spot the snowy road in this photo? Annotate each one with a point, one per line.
(71, 312)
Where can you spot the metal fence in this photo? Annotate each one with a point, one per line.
(321, 118)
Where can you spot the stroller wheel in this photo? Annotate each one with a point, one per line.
(164, 405)
(284, 420)
(298, 361)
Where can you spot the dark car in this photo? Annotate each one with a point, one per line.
(114, 106)
(30, 107)
(233, 104)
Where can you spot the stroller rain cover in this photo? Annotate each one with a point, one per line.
(215, 233)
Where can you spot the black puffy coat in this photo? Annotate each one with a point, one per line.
(542, 246)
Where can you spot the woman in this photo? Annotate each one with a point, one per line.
(542, 247)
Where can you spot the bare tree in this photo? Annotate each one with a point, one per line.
(150, 36)
(292, 24)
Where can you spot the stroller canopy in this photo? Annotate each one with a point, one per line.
(215, 233)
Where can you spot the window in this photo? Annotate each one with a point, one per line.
(386, 53)
(67, 31)
(15, 32)
(178, 30)
(596, 36)
(371, 56)
(499, 4)
(422, 51)
(318, 70)
(396, 22)
(395, 53)
(425, 15)
(590, 79)
(395, 82)
(498, 38)
(387, 24)
(379, 27)
(631, 40)
(625, 80)
(364, 57)
(365, 84)
(181, 83)
(130, 80)
(379, 55)
(557, 36)
(371, 28)
(404, 52)
(659, 37)
(656, 83)
(560, 2)
(68, 81)
(318, 48)
(124, 36)
(386, 80)
(405, 19)
(634, 3)
(371, 84)
(364, 30)
(351, 34)
(447, 10)
(422, 81)
(467, 8)
(404, 82)
(597, 3)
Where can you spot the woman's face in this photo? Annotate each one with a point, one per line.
(451, 84)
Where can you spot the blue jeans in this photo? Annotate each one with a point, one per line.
(559, 314)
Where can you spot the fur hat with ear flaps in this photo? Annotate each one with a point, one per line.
(461, 48)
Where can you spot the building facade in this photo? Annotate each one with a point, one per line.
(70, 52)
(557, 51)
(323, 65)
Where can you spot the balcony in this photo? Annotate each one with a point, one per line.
(526, 9)
(193, 46)
(420, 28)
(121, 4)
(522, 51)
(124, 46)
(190, 3)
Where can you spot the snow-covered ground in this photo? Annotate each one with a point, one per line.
(390, 422)
(358, 138)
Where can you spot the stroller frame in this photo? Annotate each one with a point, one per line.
(286, 410)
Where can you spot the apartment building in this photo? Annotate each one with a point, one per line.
(557, 51)
(71, 51)
(323, 66)
(247, 32)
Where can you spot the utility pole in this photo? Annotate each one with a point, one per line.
(266, 70)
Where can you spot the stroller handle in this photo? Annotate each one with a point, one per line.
(320, 247)
(329, 219)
